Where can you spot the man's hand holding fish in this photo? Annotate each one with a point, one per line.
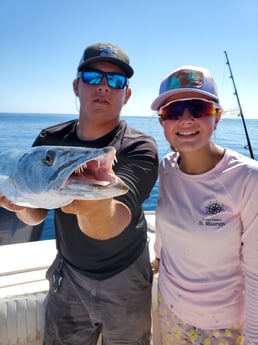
(30, 216)
(92, 214)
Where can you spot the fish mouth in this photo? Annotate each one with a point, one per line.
(97, 171)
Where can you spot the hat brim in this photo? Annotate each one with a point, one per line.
(178, 95)
(124, 66)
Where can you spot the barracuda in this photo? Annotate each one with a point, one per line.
(53, 176)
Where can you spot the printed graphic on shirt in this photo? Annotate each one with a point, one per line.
(212, 218)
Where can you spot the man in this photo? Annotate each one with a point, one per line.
(100, 281)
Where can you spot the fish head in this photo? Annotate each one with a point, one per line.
(76, 172)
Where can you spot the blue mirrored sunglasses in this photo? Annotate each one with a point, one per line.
(198, 109)
(95, 77)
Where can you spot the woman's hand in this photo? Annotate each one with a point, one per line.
(155, 265)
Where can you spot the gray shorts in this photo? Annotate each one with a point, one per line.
(79, 309)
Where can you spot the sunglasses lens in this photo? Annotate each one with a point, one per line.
(198, 108)
(114, 80)
(92, 77)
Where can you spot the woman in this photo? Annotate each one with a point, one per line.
(207, 225)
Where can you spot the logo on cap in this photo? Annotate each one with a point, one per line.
(108, 51)
(184, 79)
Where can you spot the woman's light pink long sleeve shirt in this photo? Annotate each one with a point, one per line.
(207, 240)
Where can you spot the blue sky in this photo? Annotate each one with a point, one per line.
(43, 40)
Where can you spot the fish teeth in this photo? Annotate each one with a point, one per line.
(100, 163)
(80, 170)
(114, 161)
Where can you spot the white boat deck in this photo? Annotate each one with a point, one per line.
(23, 288)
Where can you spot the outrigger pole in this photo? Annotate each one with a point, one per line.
(240, 109)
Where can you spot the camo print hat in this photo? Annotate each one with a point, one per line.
(106, 52)
(187, 82)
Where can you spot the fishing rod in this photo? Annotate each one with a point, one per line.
(240, 108)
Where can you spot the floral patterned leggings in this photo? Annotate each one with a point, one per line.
(174, 331)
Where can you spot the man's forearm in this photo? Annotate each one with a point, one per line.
(102, 219)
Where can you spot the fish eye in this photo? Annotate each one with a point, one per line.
(50, 157)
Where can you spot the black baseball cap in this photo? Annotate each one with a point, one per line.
(106, 52)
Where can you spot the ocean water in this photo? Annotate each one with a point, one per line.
(19, 131)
